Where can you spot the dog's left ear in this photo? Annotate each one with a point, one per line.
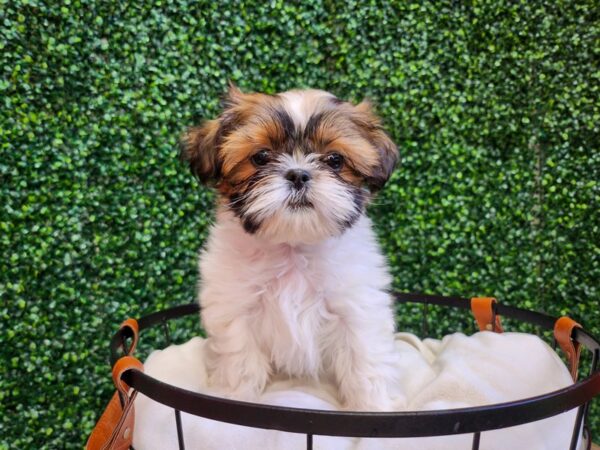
(373, 131)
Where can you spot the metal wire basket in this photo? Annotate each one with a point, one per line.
(473, 420)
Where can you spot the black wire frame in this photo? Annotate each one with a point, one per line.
(374, 424)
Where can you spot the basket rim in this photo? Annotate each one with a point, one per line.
(373, 424)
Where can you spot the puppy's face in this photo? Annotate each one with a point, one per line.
(296, 167)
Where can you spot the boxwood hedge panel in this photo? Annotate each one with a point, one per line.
(494, 106)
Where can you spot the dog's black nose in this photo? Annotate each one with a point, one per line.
(298, 177)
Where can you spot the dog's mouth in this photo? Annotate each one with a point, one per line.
(299, 202)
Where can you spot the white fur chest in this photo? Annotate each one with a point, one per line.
(290, 311)
(285, 298)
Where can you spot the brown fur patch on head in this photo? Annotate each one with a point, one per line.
(356, 133)
(202, 145)
(332, 131)
(311, 121)
(262, 132)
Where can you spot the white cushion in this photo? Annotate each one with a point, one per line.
(457, 371)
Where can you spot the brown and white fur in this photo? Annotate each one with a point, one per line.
(292, 280)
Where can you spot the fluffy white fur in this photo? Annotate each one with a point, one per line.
(315, 311)
(269, 202)
(300, 103)
(292, 280)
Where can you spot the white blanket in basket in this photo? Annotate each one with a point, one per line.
(457, 371)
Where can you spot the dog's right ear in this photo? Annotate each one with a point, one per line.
(201, 145)
(200, 148)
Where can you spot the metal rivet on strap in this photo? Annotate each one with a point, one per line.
(127, 433)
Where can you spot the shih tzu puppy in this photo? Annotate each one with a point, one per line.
(292, 280)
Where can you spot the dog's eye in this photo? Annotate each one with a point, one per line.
(334, 160)
(261, 157)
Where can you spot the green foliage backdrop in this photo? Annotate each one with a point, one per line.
(494, 106)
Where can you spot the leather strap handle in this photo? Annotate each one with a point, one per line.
(114, 429)
(484, 309)
(121, 366)
(132, 327)
(563, 332)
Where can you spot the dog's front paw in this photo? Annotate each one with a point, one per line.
(245, 393)
(242, 393)
(369, 396)
(238, 376)
(360, 403)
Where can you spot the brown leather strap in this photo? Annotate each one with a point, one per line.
(123, 364)
(563, 331)
(114, 430)
(135, 331)
(484, 310)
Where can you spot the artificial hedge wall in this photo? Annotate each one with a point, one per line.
(494, 106)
